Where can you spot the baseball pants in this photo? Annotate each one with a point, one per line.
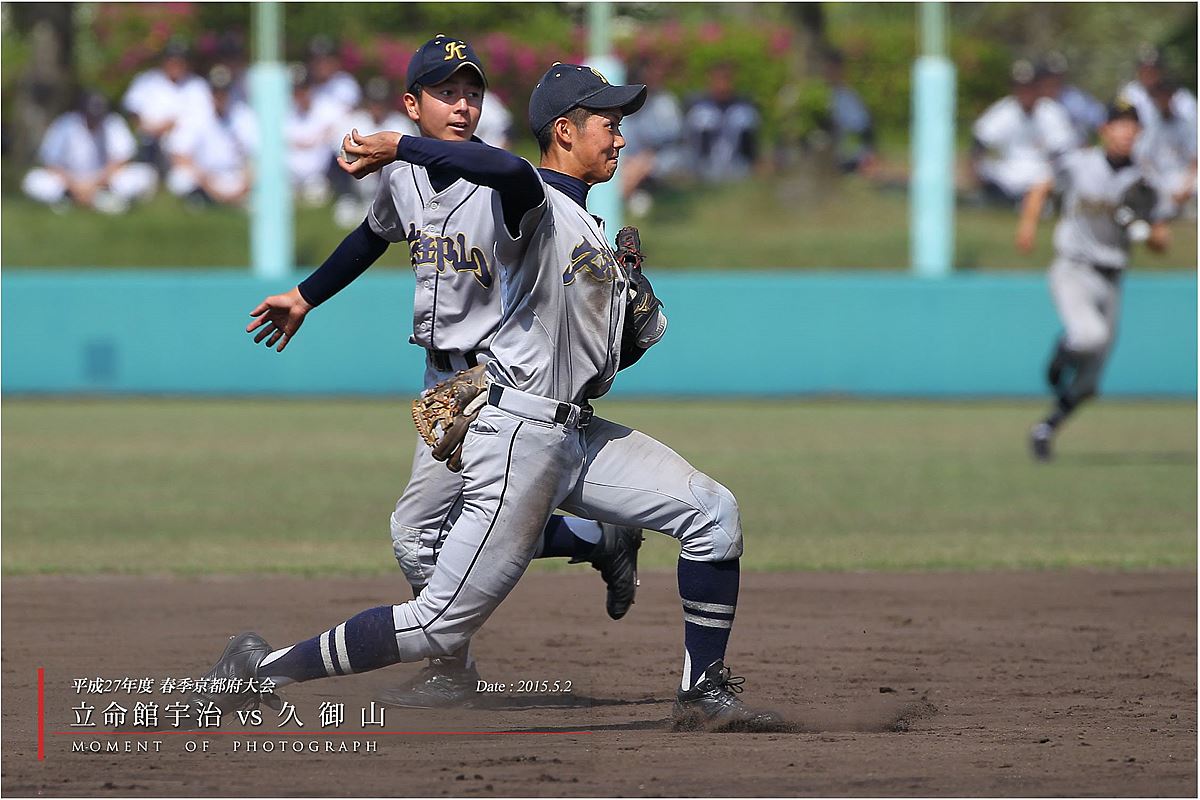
(518, 468)
(1088, 305)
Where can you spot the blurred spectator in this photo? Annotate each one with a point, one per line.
(495, 122)
(158, 98)
(654, 141)
(1149, 75)
(849, 120)
(86, 158)
(722, 129)
(231, 54)
(1086, 112)
(211, 155)
(309, 129)
(1166, 151)
(330, 83)
(1017, 137)
(378, 113)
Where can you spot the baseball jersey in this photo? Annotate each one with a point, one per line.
(70, 145)
(1024, 144)
(1092, 190)
(452, 241)
(564, 304)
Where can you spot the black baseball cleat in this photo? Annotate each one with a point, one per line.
(713, 704)
(443, 683)
(616, 557)
(1039, 441)
(237, 665)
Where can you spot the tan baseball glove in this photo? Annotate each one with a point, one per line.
(443, 413)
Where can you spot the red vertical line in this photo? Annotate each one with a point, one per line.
(41, 714)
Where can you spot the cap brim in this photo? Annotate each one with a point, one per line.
(434, 77)
(627, 98)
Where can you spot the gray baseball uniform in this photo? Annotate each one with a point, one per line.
(534, 448)
(1092, 250)
(457, 307)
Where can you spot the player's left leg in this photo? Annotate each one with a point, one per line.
(1088, 305)
(632, 479)
(516, 472)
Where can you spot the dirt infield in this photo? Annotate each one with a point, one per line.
(1053, 683)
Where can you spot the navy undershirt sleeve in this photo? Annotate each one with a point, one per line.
(513, 177)
(358, 251)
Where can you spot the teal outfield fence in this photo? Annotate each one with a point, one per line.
(100, 332)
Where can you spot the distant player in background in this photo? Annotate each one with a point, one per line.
(1107, 205)
(1017, 138)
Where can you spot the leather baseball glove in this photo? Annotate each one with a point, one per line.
(443, 413)
(644, 325)
(1135, 210)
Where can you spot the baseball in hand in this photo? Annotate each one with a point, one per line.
(349, 159)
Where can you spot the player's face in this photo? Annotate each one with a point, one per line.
(448, 111)
(1118, 137)
(596, 146)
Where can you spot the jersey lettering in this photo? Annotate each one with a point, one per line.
(442, 252)
(597, 263)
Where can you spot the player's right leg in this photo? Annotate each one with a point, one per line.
(632, 479)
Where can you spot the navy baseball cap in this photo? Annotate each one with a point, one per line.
(568, 86)
(1123, 109)
(438, 59)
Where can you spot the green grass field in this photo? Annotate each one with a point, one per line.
(306, 486)
(782, 222)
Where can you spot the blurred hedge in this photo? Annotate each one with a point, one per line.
(774, 53)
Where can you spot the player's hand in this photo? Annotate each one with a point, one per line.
(361, 155)
(1160, 238)
(1026, 237)
(278, 319)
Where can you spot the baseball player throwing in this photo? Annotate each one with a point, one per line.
(451, 228)
(1107, 204)
(536, 445)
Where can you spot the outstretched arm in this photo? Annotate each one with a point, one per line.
(280, 316)
(1031, 212)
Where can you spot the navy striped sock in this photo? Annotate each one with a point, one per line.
(362, 643)
(709, 591)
